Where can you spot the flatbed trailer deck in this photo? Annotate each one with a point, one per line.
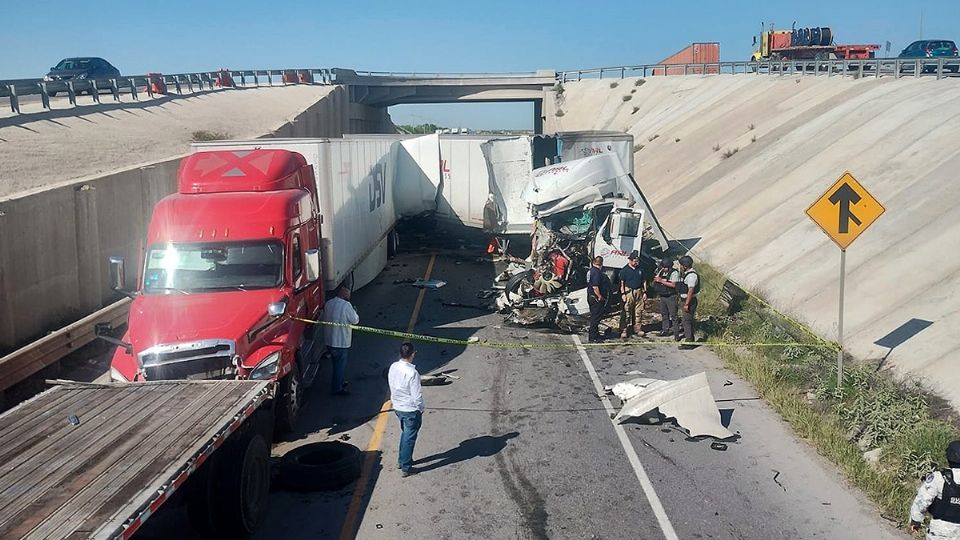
(96, 460)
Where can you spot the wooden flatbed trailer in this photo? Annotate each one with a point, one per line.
(96, 460)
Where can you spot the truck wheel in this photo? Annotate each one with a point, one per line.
(323, 466)
(235, 489)
(393, 244)
(289, 399)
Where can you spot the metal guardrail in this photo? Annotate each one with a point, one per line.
(133, 85)
(876, 67)
(35, 356)
(463, 75)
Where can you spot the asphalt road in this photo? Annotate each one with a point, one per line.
(522, 447)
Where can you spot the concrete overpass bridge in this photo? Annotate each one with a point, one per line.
(385, 89)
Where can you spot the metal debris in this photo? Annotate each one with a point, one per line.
(687, 400)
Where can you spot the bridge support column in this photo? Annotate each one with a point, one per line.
(537, 116)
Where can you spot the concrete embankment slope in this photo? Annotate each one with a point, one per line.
(795, 137)
(50, 147)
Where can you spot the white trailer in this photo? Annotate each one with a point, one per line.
(359, 207)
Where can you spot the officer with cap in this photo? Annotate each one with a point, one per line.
(665, 283)
(940, 495)
(688, 287)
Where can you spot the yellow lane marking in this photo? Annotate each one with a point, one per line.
(350, 523)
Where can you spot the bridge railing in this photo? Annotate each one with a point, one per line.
(873, 67)
(178, 83)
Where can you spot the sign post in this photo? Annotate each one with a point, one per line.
(843, 212)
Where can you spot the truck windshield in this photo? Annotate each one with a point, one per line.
(213, 266)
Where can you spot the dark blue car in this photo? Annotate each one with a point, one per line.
(932, 49)
(84, 68)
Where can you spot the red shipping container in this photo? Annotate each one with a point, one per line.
(696, 53)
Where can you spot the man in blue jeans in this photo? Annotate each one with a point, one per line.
(407, 403)
(338, 335)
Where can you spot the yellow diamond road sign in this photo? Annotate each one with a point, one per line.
(845, 210)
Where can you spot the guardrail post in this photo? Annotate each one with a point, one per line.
(256, 78)
(269, 78)
(95, 91)
(190, 83)
(71, 93)
(939, 68)
(860, 70)
(243, 78)
(917, 69)
(877, 67)
(621, 72)
(115, 89)
(133, 89)
(149, 88)
(14, 100)
(896, 69)
(44, 96)
(176, 82)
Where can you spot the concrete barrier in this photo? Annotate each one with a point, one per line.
(54, 244)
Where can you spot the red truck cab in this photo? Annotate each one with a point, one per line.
(229, 260)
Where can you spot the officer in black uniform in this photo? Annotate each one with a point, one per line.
(598, 295)
(940, 495)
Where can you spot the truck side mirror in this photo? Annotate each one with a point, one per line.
(313, 265)
(117, 275)
(277, 309)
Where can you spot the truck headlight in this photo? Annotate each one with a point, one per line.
(267, 367)
(116, 376)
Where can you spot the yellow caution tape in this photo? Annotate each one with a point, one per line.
(476, 342)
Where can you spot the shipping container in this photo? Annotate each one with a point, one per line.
(696, 53)
(580, 144)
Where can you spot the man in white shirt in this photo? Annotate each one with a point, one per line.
(407, 404)
(339, 336)
(939, 494)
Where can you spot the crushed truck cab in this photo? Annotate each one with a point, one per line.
(228, 260)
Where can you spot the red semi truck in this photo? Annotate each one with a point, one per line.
(227, 258)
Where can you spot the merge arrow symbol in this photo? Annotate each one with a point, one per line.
(845, 196)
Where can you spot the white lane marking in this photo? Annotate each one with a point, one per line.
(632, 457)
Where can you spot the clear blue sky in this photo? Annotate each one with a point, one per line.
(491, 35)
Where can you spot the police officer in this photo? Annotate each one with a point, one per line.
(633, 293)
(598, 294)
(688, 286)
(940, 495)
(665, 283)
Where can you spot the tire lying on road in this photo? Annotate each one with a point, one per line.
(323, 466)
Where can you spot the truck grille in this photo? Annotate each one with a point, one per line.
(206, 359)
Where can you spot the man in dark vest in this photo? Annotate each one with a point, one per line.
(598, 294)
(940, 495)
(688, 287)
(665, 283)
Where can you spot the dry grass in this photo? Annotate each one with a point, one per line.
(869, 411)
(614, 84)
(716, 148)
(729, 152)
(627, 98)
(204, 135)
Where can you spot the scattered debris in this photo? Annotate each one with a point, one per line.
(74, 420)
(776, 474)
(634, 372)
(728, 383)
(873, 456)
(467, 306)
(487, 293)
(719, 446)
(440, 379)
(344, 437)
(429, 283)
(688, 400)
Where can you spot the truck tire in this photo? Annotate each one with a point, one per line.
(324, 466)
(235, 489)
(393, 244)
(289, 400)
